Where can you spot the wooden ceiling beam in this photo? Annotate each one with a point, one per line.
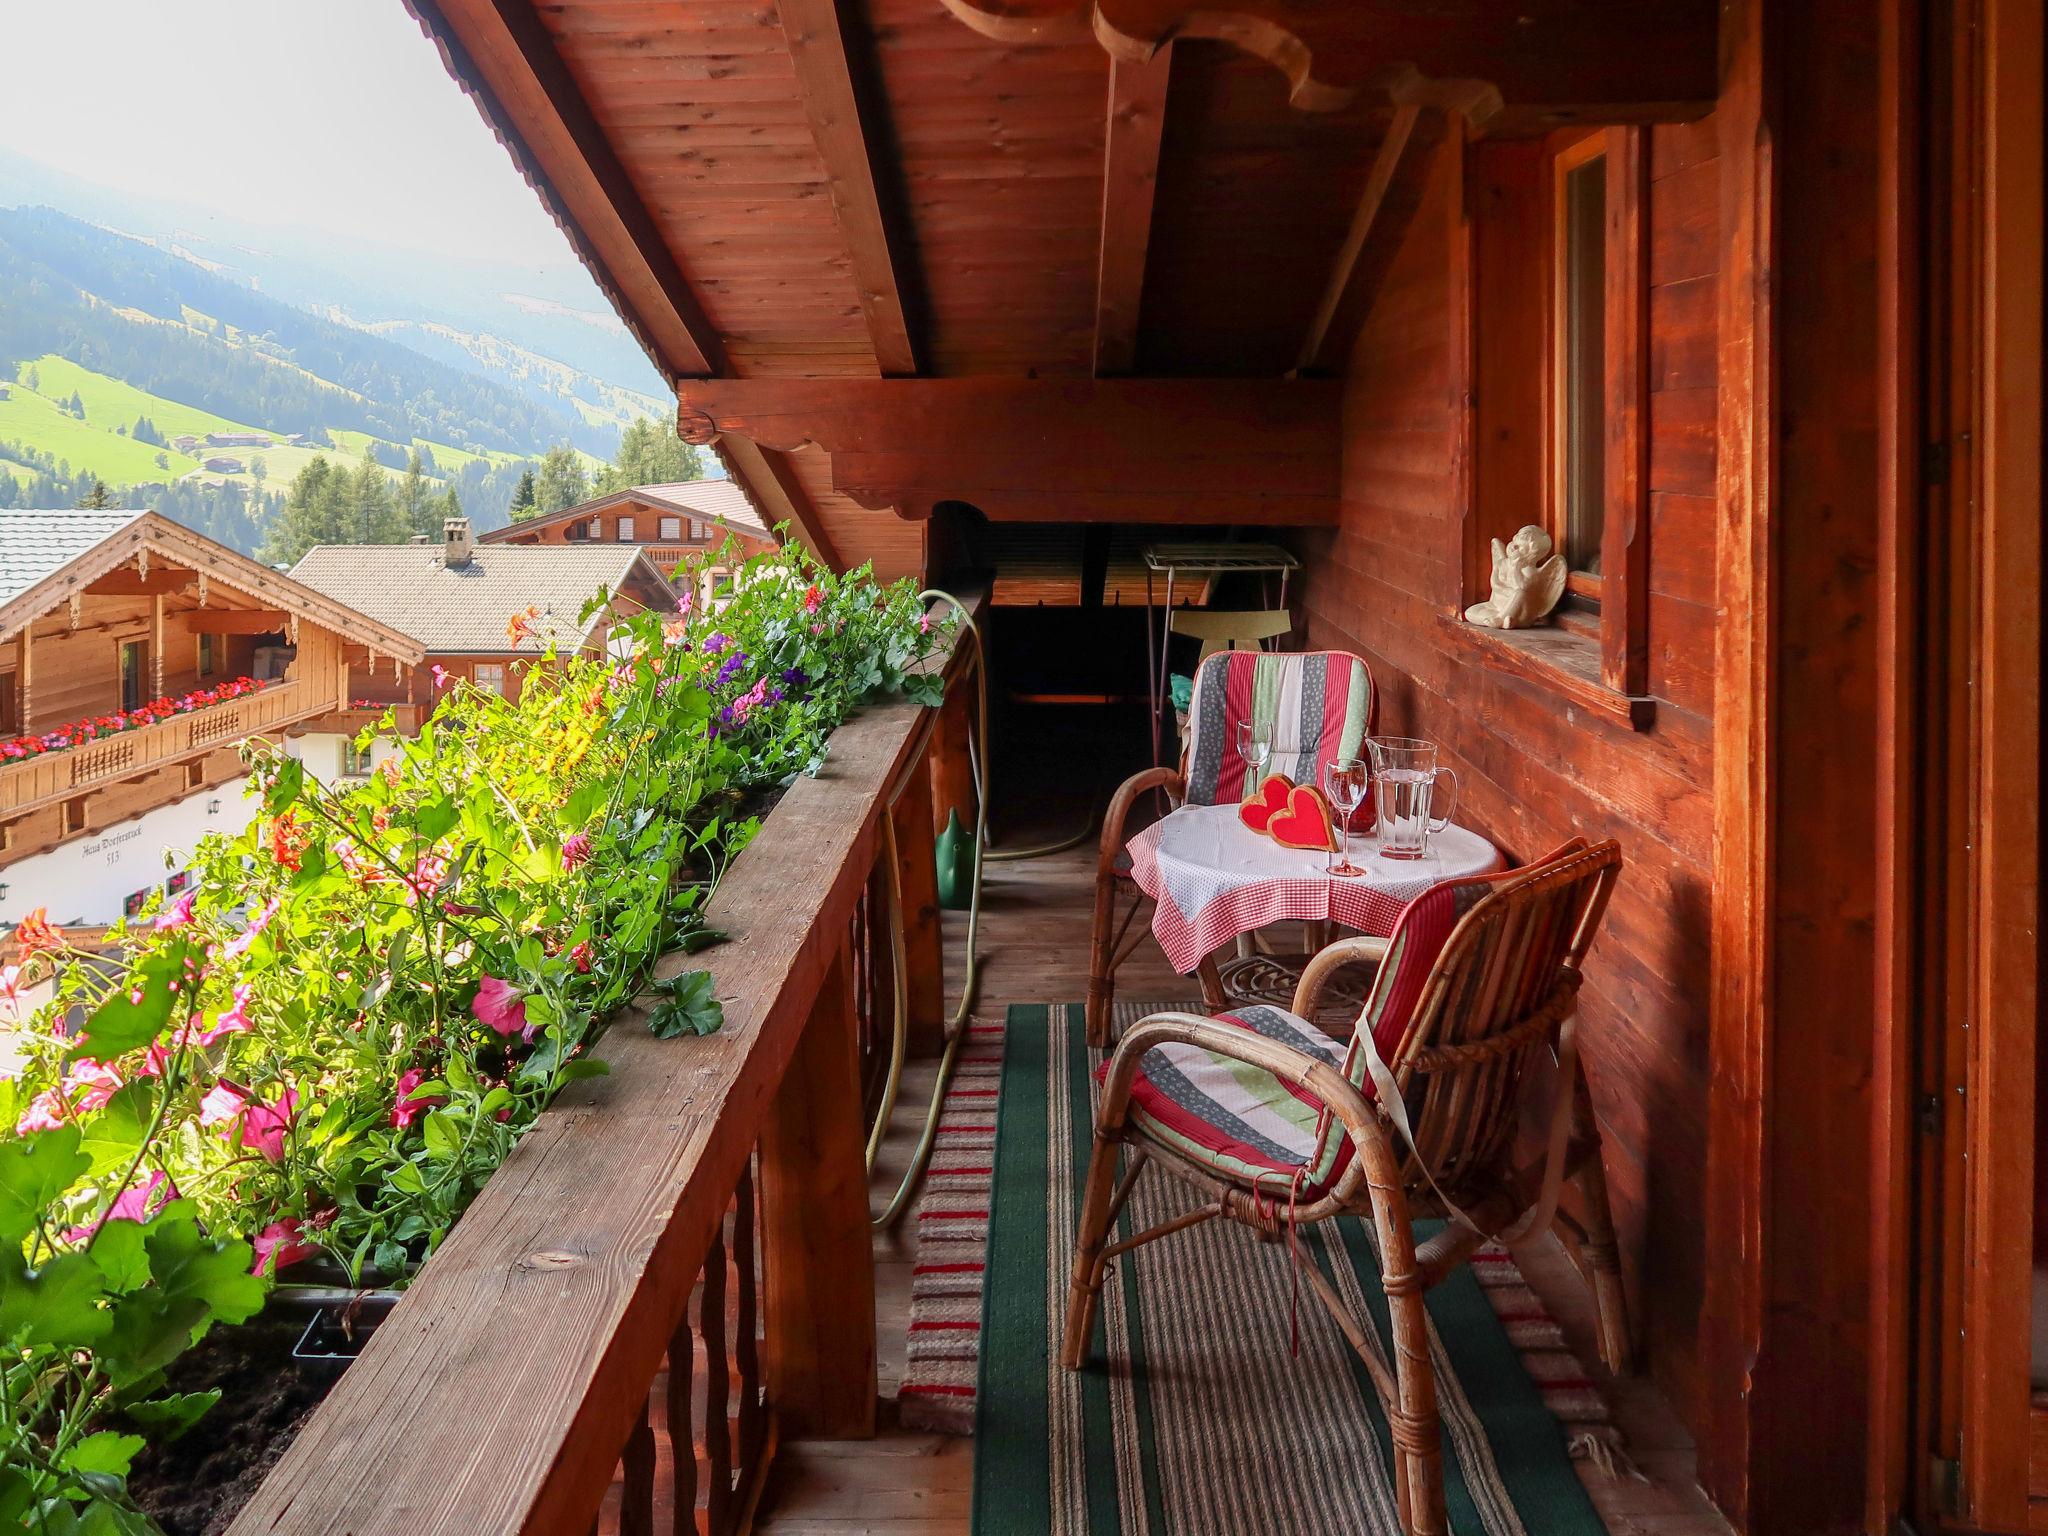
(1189, 451)
(1130, 178)
(817, 47)
(774, 482)
(1384, 166)
(242, 621)
(502, 54)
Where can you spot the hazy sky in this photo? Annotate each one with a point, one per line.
(331, 115)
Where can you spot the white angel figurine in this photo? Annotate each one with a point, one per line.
(1528, 579)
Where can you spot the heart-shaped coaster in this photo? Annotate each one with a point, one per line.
(1304, 822)
(1259, 808)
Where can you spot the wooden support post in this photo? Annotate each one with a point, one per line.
(924, 950)
(156, 646)
(816, 1251)
(952, 775)
(24, 708)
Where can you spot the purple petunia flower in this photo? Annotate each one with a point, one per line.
(730, 667)
(717, 643)
(795, 677)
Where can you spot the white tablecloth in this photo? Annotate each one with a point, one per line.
(1213, 878)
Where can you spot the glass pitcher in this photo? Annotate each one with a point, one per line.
(1405, 774)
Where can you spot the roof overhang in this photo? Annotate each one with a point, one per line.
(221, 566)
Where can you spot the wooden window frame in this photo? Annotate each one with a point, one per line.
(1620, 593)
(626, 529)
(477, 681)
(670, 529)
(206, 655)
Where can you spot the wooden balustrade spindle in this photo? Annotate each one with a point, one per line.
(717, 1390)
(636, 1503)
(682, 1435)
(746, 1326)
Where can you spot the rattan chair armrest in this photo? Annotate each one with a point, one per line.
(1327, 962)
(1126, 796)
(1297, 1069)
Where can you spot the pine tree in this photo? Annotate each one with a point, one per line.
(315, 512)
(31, 379)
(650, 453)
(97, 497)
(416, 499)
(373, 514)
(449, 506)
(522, 497)
(76, 406)
(560, 482)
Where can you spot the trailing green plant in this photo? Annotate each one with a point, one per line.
(330, 1039)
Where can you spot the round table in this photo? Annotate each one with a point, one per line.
(1213, 879)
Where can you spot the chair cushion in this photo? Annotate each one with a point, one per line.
(1239, 1120)
(1314, 707)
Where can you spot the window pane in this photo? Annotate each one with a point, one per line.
(490, 677)
(671, 527)
(1585, 370)
(625, 530)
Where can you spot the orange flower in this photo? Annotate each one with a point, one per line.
(520, 626)
(288, 841)
(36, 933)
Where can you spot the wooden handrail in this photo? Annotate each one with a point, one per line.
(500, 1392)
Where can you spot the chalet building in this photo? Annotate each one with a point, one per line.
(238, 440)
(135, 656)
(184, 442)
(690, 520)
(456, 602)
(1738, 303)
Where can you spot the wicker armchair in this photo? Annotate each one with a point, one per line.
(1417, 1116)
(1317, 706)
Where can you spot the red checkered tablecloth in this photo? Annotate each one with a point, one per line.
(1212, 878)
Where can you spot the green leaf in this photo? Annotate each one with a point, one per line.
(689, 1008)
(103, 1517)
(443, 1140)
(146, 1331)
(35, 1170)
(582, 1067)
(285, 787)
(699, 939)
(119, 1253)
(169, 1417)
(137, 1013)
(436, 818)
(112, 1137)
(56, 1307)
(106, 1452)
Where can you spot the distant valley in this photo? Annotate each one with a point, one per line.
(173, 380)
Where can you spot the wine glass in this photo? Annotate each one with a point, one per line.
(1255, 746)
(1344, 781)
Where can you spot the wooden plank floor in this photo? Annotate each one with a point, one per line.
(1034, 934)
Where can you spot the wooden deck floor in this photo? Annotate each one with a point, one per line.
(1033, 941)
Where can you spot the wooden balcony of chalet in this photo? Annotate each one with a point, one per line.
(1740, 303)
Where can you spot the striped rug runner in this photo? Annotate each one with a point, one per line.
(1195, 1417)
(944, 1353)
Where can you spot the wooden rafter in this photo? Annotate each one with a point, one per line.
(1130, 177)
(780, 493)
(502, 54)
(817, 47)
(1384, 167)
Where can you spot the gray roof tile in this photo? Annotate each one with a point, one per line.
(34, 545)
(466, 608)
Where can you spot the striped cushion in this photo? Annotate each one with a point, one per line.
(1241, 1120)
(1316, 706)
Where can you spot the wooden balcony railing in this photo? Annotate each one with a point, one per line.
(54, 776)
(673, 1269)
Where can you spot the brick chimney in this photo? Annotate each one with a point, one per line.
(457, 543)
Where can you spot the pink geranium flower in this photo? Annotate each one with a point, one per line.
(500, 1005)
(100, 1082)
(238, 947)
(441, 675)
(410, 1103)
(10, 987)
(280, 1244)
(178, 913)
(576, 851)
(222, 1105)
(138, 1202)
(233, 1020)
(264, 1126)
(45, 1112)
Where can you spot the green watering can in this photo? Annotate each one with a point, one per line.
(956, 865)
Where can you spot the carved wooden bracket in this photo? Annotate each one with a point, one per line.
(1538, 61)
